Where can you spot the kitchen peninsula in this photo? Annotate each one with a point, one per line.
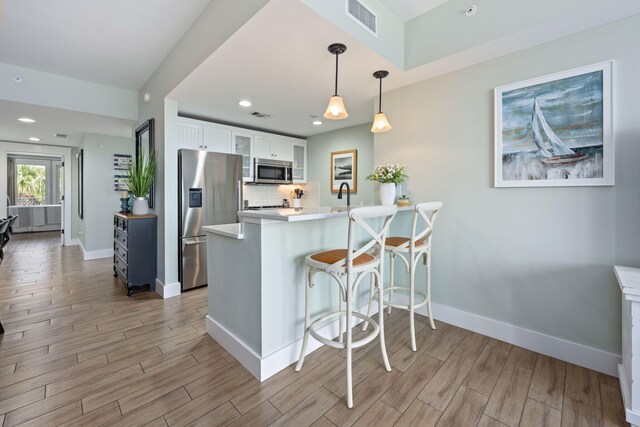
(256, 275)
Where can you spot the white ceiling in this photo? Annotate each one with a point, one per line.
(54, 120)
(114, 42)
(290, 78)
(409, 9)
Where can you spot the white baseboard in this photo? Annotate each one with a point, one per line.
(267, 366)
(167, 291)
(72, 242)
(89, 255)
(578, 354)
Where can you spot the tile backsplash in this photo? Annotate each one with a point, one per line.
(263, 195)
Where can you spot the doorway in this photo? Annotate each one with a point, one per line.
(35, 193)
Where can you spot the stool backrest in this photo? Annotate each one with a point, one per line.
(428, 212)
(4, 224)
(357, 218)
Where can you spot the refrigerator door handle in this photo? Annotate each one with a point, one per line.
(239, 200)
(187, 241)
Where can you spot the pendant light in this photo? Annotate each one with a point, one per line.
(380, 122)
(336, 109)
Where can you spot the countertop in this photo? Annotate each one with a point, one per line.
(236, 231)
(303, 214)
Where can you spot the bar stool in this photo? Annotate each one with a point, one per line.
(416, 246)
(348, 267)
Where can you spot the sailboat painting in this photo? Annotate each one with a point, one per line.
(555, 130)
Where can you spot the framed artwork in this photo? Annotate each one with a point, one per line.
(145, 141)
(344, 168)
(121, 163)
(80, 158)
(555, 130)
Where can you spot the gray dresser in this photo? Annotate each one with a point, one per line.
(134, 250)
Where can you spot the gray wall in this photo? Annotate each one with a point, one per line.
(100, 198)
(319, 160)
(538, 258)
(77, 226)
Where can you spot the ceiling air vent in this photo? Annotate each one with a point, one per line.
(363, 16)
(60, 135)
(260, 115)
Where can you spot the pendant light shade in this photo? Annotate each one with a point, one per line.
(336, 109)
(380, 122)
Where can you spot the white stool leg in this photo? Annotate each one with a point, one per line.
(340, 333)
(392, 282)
(307, 318)
(383, 347)
(429, 312)
(348, 344)
(412, 277)
(371, 293)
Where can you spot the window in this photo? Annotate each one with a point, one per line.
(32, 185)
(37, 182)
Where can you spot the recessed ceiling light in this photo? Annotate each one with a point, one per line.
(316, 122)
(244, 103)
(26, 120)
(33, 138)
(17, 79)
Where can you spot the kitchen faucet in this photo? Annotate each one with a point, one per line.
(348, 193)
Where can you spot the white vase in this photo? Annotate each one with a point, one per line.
(387, 193)
(140, 206)
(296, 203)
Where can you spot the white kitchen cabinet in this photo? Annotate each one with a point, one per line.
(216, 138)
(275, 148)
(262, 147)
(242, 143)
(299, 154)
(189, 135)
(281, 149)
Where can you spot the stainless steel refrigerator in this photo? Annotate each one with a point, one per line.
(210, 193)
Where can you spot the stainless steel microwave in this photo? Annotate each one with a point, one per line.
(267, 171)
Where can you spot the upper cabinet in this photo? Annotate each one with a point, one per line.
(273, 147)
(242, 143)
(250, 144)
(299, 161)
(216, 139)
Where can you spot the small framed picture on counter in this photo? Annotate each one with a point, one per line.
(344, 168)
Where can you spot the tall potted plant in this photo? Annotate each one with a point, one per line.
(388, 175)
(139, 178)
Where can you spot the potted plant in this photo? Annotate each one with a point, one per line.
(388, 175)
(139, 178)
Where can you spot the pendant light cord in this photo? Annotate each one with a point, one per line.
(336, 93)
(380, 98)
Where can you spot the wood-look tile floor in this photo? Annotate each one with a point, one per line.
(78, 352)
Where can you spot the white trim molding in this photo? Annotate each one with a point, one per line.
(169, 290)
(99, 254)
(572, 352)
(267, 366)
(72, 242)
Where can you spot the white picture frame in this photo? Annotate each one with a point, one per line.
(526, 157)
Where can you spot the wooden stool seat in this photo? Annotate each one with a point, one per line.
(335, 255)
(394, 242)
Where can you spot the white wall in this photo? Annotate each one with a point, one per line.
(319, 158)
(213, 27)
(538, 258)
(100, 198)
